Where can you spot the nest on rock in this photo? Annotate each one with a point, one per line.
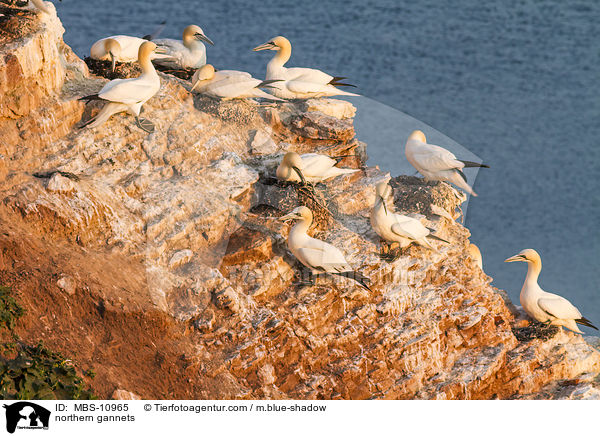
(535, 330)
(239, 111)
(313, 198)
(185, 73)
(415, 194)
(282, 197)
(16, 23)
(123, 70)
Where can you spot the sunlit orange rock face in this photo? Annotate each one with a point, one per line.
(158, 260)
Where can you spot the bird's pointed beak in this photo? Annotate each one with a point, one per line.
(202, 37)
(300, 175)
(384, 206)
(288, 217)
(113, 62)
(516, 258)
(265, 46)
(160, 50)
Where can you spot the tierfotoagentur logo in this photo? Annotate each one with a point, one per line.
(26, 416)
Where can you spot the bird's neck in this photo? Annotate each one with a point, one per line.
(282, 56)
(147, 67)
(283, 172)
(382, 209)
(378, 208)
(194, 45)
(300, 229)
(533, 272)
(187, 42)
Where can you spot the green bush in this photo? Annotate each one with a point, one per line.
(39, 374)
(36, 373)
(10, 310)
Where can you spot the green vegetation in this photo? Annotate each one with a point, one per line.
(36, 373)
(10, 310)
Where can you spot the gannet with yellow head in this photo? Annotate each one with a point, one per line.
(394, 227)
(117, 48)
(41, 5)
(228, 84)
(309, 167)
(129, 94)
(319, 256)
(475, 254)
(544, 306)
(189, 53)
(437, 163)
(298, 82)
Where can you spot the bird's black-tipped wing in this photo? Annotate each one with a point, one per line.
(89, 98)
(357, 276)
(469, 164)
(437, 238)
(586, 322)
(337, 81)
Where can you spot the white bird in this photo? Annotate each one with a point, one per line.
(189, 53)
(117, 48)
(475, 254)
(228, 84)
(311, 167)
(394, 227)
(544, 306)
(437, 163)
(40, 4)
(320, 256)
(298, 82)
(129, 94)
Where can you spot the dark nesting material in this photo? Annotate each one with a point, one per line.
(185, 74)
(535, 330)
(16, 23)
(123, 70)
(415, 194)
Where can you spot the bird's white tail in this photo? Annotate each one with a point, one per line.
(425, 243)
(457, 179)
(106, 112)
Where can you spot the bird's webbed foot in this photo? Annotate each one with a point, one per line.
(389, 255)
(145, 124)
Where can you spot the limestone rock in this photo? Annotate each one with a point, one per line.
(58, 183)
(262, 143)
(67, 284)
(181, 257)
(339, 109)
(121, 394)
(185, 286)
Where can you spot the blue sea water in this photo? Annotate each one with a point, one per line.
(514, 82)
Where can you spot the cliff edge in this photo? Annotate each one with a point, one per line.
(157, 260)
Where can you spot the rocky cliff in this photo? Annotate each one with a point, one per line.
(158, 262)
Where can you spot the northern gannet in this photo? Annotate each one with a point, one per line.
(437, 163)
(129, 94)
(40, 4)
(117, 48)
(228, 84)
(393, 227)
(544, 306)
(320, 256)
(298, 82)
(189, 53)
(310, 167)
(475, 254)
